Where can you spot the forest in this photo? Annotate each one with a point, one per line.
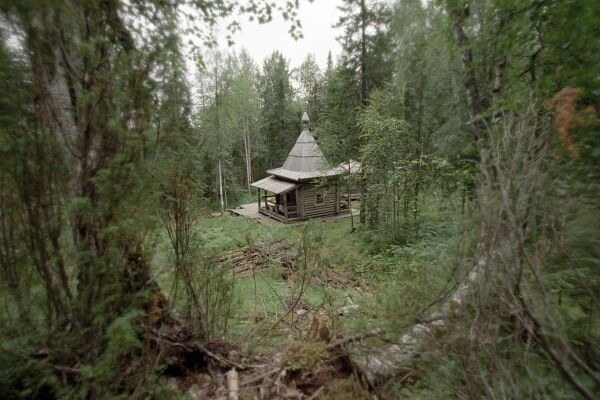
(467, 268)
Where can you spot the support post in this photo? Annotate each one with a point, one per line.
(337, 198)
(300, 201)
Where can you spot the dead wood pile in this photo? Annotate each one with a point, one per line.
(251, 259)
(334, 277)
(318, 366)
(308, 368)
(277, 253)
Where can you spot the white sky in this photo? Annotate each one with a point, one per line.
(317, 20)
(260, 40)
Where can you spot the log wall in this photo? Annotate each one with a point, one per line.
(311, 208)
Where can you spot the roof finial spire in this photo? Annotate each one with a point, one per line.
(305, 121)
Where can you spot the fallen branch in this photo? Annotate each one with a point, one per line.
(354, 338)
(214, 356)
(68, 370)
(260, 377)
(221, 359)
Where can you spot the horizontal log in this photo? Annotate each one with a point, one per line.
(328, 214)
(314, 196)
(319, 213)
(315, 204)
(320, 205)
(319, 209)
(324, 203)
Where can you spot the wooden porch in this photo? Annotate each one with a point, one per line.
(276, 205)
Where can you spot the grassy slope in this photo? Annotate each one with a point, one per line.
(399, 279)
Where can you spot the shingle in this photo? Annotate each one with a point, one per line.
(305, 161)
(274, 185)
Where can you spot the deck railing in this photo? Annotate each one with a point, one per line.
(280, 209)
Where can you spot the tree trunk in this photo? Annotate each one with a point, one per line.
(221, 197)
(363, 93)
(350, 198)
(74, 105)
(219, 152)
(247, 156)
(363, 54)
(470, 82)
(387, 361)
(363, 197)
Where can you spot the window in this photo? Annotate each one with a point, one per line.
(320, 198)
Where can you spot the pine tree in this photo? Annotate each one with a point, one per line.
(278, 120)
(365, 42)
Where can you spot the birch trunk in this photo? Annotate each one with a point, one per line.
(470, 82)
(247, 156)
(221, 197)
(385, 362)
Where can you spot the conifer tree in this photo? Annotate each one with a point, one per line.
(278, 119)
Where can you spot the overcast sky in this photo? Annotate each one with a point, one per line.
(319, 36)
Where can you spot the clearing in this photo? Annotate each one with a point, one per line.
(294, 309)
(308, 304)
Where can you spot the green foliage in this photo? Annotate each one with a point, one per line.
(279, 120)
(19, 377)
(346, 389)
(337, 133)
(365, 43)
(396, 172)
(304, 355)
(123, 336)
(215, 287)
(123, 346)
(228, 120)
(86, 128)
(101, 141)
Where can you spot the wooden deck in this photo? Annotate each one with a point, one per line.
(251, 211)
(277, 216)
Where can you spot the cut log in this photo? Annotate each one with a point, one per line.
(233, 388)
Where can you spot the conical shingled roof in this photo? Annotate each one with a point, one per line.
(306, 160)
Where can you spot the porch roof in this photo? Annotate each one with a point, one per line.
(274, 185)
